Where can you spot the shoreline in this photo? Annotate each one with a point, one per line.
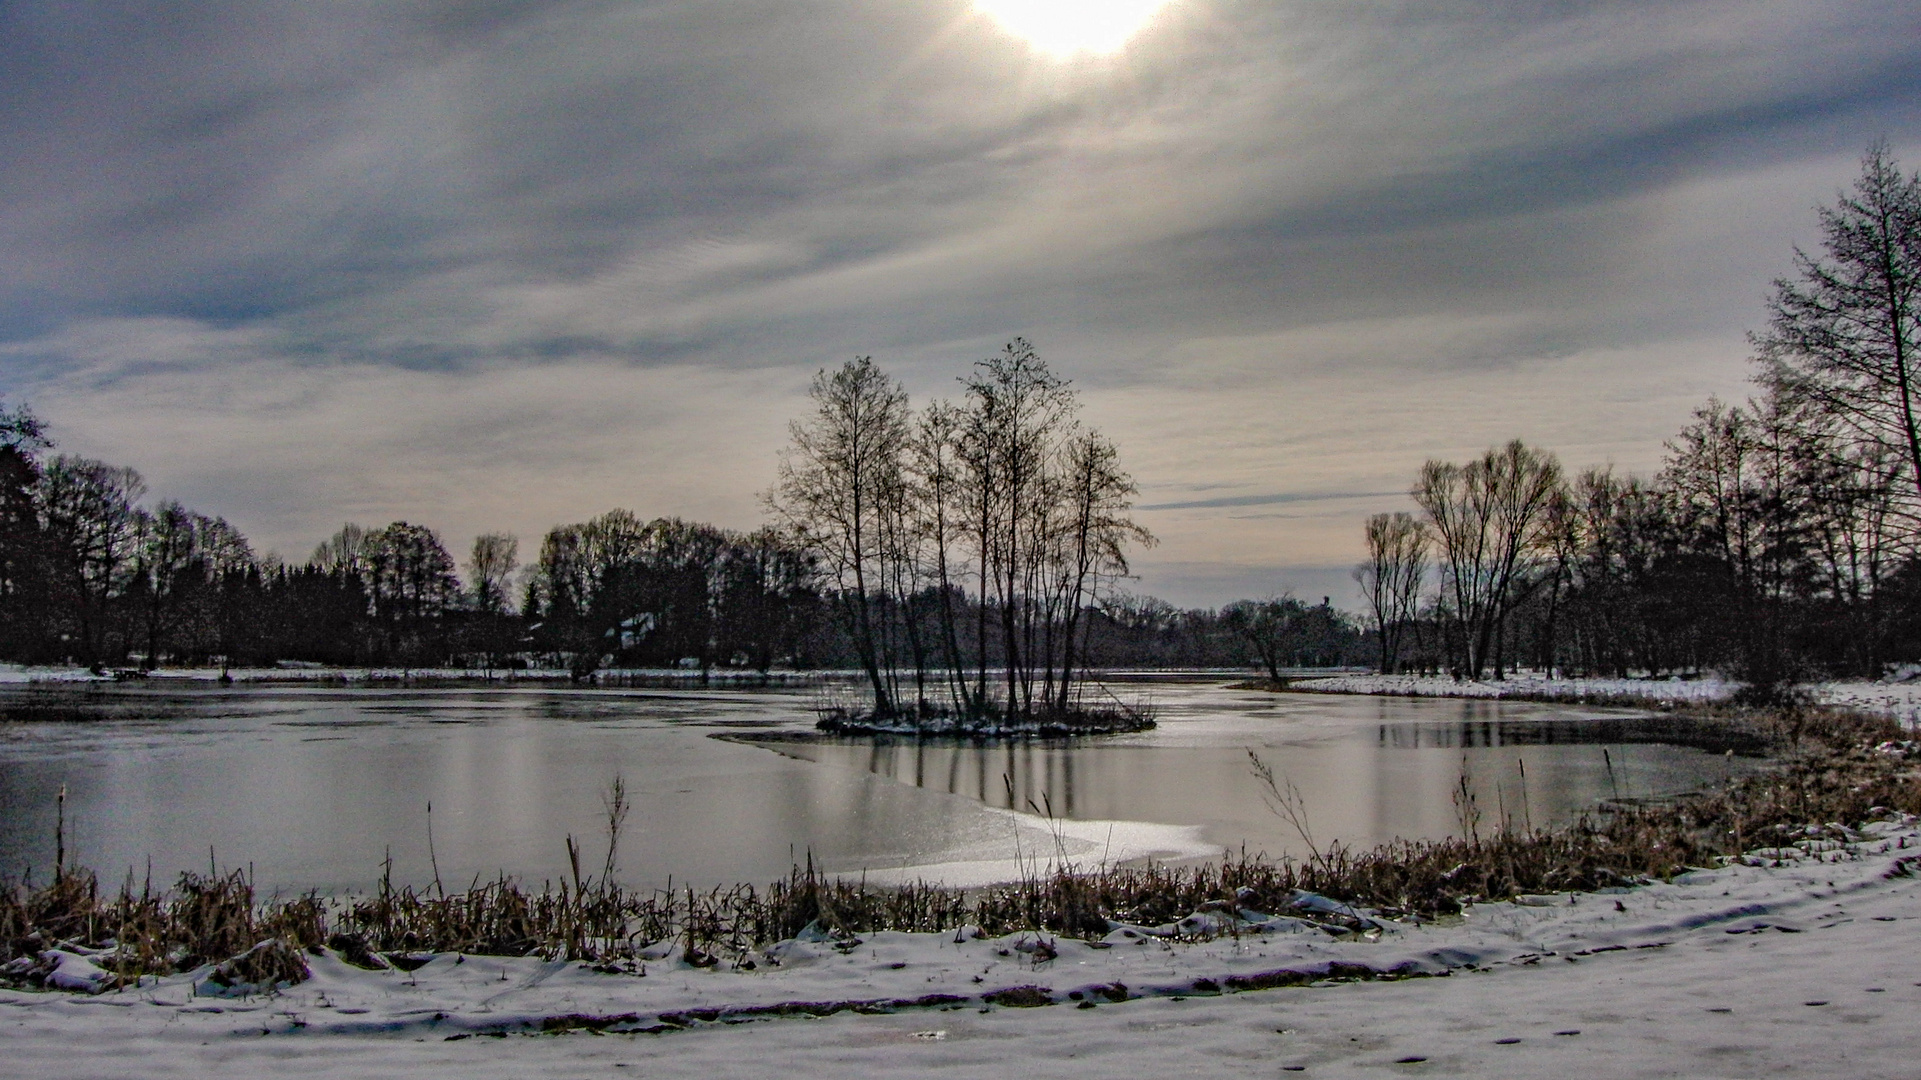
(1797, 959)
(1900, 701)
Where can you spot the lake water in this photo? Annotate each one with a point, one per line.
(314, 788)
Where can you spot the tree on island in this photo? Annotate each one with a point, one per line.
(974, 538)
(841, 492)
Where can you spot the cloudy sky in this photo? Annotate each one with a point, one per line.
(501, 264)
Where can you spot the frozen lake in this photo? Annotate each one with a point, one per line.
(315, 787)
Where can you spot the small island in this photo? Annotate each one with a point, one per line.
(1119, 720)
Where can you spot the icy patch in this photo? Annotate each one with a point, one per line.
(1039, 846)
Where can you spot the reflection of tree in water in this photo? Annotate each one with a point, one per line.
(1361, 785)
(1669, 730)
(1007, 775)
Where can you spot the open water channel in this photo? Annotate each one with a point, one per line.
(315, 788)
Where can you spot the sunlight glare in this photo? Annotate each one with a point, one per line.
(1066, 27)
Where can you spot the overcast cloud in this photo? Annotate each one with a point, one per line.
(504, 264)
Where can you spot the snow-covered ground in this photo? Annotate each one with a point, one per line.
(1902, 700)
(1802, 961)
(1899, 700)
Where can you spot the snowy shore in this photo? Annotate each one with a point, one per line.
(1900, 700)
(1792, 961)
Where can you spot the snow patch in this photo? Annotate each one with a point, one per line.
(1045, 845)
(1898, 696)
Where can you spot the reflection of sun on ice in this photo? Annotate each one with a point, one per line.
(1065, 27)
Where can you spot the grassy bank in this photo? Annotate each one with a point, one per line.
(1837, 772)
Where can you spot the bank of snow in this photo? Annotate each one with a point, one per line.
(1794, 960)
(1899, 699)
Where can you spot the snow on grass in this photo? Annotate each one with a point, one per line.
(1901, 700)
(1898, 699)
(28, 673)
(1801, 960)
(1526, 686)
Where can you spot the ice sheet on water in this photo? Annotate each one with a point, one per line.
(1035, 846)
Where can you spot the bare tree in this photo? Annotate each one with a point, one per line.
(938, 477)
(178, 561)
(1732, 475)
(1735, 477)
(1266, 627)
(345, 552)
(412, 585)
(838, 485)
(1098, 495)
(1525, 484)
(1019, 411)
(1844, 332)
(1489, 518)
(1392, 577)
(490, 568)
(26, 601)
(93, 512)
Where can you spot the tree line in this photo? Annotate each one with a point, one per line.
(91, 575)
(1778, 541)
(973, 562)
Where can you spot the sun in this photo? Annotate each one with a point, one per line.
(1066, 27)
